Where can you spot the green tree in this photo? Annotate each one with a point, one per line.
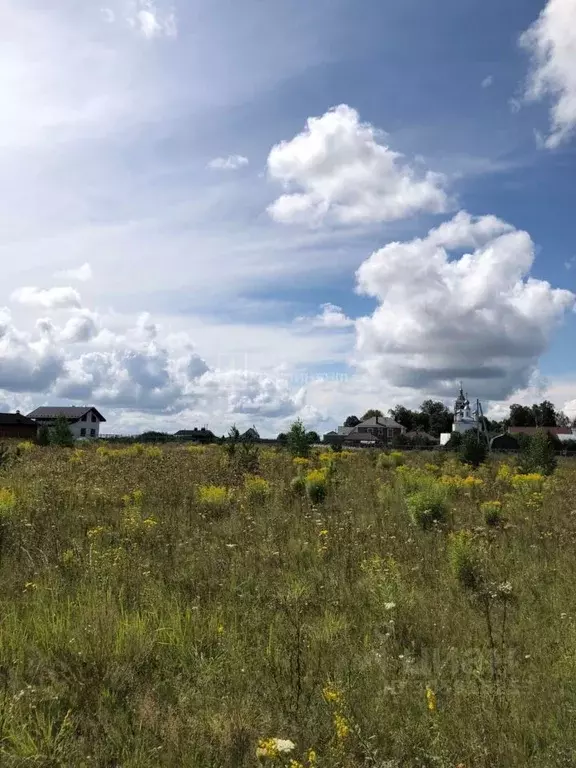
(297, 440)
(43, 437)
(521, 416)
(562, 420)
(282, 438)
(539, 453)
(352, 421)
(544, 414)
(439, 417)
(403, 416)
(371, 413)
(473, 450)
(61, 434)
(313, 437)
(454, 443)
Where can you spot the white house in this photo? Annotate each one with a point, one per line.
(84, 421)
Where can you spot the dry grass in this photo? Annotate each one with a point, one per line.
(159, 608)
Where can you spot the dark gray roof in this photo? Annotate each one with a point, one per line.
(73, 412)
(203, 431)
(16, 418)
(380, 421)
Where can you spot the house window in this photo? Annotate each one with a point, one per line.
(83, 432)
(83, 418)
(94, 417)
(92, 433)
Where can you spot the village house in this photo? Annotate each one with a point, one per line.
(378, 431)
(84, 421)
(18, 426)
(202, 435)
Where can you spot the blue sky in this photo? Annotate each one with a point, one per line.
(144, 139)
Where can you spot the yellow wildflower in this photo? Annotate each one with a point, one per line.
(312, 757)
(257, 488)
(332, 695)
(213, 495)
(7, 499)
(341, 726)
(99, 530)
(430, 699)
(530, 482)
(505, 473)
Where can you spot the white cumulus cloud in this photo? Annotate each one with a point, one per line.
(342, 173)
(63, 297)
(229, 163)
(331, 316)
(551, 41)
(479, 316)
(136, 367)
(152, 19)
(82, 273)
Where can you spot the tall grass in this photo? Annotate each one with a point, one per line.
(161, 608)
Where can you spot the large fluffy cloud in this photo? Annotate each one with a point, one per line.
(82, 357)
(49, 298)
(479, 316)
(27, 364)
(551, 40)
(347, 176)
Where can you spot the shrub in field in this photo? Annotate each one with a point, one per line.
(454, 443)
(7, 501)
(43, 436)
(61, 434)
(298, 485)
(465, 562)
(492, 511)
(26, 446)
(316, 485)
(297, 440)
(391, 460)
(473, 449)
(531, 483)
(215, 497)
(428, 507)
(257, 489)
(414, 479)
(538, 454)
(5, 456)
(456, 483)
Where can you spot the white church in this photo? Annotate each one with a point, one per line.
(465, 418)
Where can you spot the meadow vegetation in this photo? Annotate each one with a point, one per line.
(212, 608)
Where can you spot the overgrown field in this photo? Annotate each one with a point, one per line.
(160, 607)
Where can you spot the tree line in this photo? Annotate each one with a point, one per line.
(434, 418)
